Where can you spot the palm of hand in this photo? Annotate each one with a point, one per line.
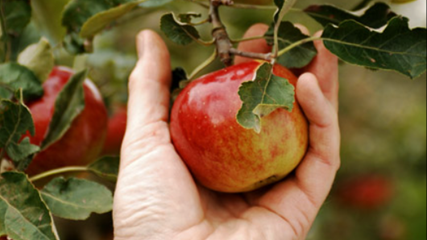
(191, 211)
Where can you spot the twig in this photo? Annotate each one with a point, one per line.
(219, 33)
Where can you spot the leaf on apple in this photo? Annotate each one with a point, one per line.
(76, 199)
(260, 97)
(288, 34)
(68, 105)
(397, 48)
(23, 214)
(106, 167)
(377, 16)
(178, 32)
(16, 14)
(14, 76)
(38, 58)
(15, 120)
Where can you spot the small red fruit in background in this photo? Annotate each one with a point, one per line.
(116, 131)
(366, 192)
(221, 154)
(83, 141)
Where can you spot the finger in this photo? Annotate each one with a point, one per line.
(149, 82)
(325, 67)
(256, 46)
(317, 171)
(299, 198)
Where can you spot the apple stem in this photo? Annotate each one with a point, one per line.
(58, 171)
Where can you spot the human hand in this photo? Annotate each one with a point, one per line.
(156, 196)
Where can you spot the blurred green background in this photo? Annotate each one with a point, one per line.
(380, 191)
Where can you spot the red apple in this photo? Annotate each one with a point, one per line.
(83, 141)
(116, 132)
(365, 192)
(221, 154)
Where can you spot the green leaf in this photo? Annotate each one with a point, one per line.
(288, 34)
(38, 58)
(262, 96)
(14, 76)
(77, 12)
(17, 14)
(376, 16)
(76, 199)
(88, 17)
(18, 152)
(23, 214)
(180, 33)
(74, 44)
(69, 104)
(106, 167)
(15, 120)
(101, 20)
(397, 48)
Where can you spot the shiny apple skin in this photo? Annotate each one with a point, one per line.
(221, 154)
(83, 141)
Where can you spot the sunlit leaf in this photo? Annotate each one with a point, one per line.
(38, 58)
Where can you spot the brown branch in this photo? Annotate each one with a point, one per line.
(223, 43)
(262, 56)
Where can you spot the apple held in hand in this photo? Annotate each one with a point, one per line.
(83, 141)
(221, 154)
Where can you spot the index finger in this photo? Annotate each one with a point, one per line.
(256, 46)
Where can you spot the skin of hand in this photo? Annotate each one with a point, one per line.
(156, 196)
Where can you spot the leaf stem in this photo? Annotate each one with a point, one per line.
(282, 12)
(296, 44)
(202, 66)
(58, 171)
(246, 39)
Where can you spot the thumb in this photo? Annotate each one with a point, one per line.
(148, 102)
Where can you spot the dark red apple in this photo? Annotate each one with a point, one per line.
(83, 141)
(221, 154)
(116, 131)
